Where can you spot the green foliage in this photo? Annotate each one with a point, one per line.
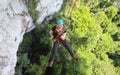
(22, 63)
(116, 18)
(23, 60)
(25, 45)
(105, 3)
(81, 22)
(34, 51)
(85, 64)
(103, 68)
(116, 36)
(117, 71)
(22, 54)
(115, 56)
(35, 69)
(111, 12)
(32, 9)
(85, 28)
(103, 46)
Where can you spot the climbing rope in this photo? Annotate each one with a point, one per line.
(71, 7)
(68, 16)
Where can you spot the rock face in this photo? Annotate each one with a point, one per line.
(13, 25)
(48, 7)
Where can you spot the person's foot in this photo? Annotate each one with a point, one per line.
(51, 63)
(75, 58)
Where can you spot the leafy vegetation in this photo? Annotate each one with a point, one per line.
(93, 31)
(32, 4)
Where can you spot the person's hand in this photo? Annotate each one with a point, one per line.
(60, 33)
(54, 40)
(63, 36)
(51, 37)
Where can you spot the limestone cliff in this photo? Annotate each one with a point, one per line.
(14, 23)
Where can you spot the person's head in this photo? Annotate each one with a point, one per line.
(59, 26)
(60, 21)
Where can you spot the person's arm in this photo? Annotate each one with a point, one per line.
(63, 36)
(51, 34)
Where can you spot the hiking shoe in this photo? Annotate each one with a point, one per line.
(51, 63)
(75, 58)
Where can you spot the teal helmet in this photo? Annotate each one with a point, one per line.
(60, 21)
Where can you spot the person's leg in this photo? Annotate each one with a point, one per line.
(67, 46)
(54, 51)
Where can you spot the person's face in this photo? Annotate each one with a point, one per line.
(59, 28)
